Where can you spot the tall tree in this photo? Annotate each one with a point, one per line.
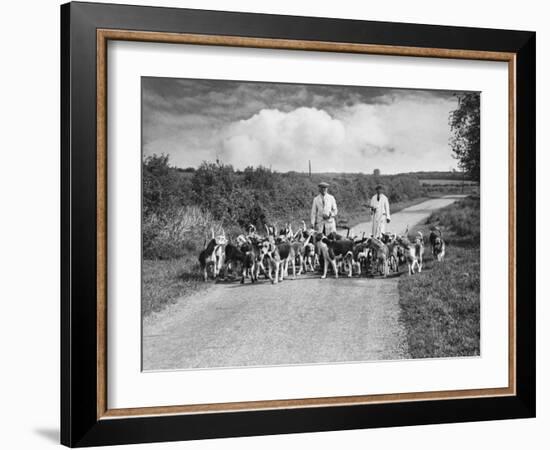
(465, 139)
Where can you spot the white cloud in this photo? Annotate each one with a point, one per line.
(405, 135)
(280, 139)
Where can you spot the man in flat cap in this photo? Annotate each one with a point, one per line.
(380, 210)
(324, 211)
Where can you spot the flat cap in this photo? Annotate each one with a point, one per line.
(324, 184)
(379, 186)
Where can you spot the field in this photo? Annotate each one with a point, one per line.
(440, 307)
(447, 182)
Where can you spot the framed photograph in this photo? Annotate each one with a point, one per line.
(276, 224)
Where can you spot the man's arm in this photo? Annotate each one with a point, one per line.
(313, 213)
(334, 209)
(388, 218)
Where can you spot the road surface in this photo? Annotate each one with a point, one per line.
(302, 321)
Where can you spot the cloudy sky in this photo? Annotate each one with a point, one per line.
(338, 128)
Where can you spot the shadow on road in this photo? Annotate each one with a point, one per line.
(237, 284)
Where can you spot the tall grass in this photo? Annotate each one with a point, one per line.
(440, 307)
(177, 232)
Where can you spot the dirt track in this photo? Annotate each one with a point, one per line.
(301, 321)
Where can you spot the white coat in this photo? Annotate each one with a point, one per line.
(324, 206)
(380, 214)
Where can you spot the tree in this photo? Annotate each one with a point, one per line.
(163, 187)
(465, 139)
(212, 187)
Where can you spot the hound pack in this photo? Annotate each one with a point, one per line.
(277, 252)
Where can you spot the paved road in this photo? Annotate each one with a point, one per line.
(409, 216)
(301, 321)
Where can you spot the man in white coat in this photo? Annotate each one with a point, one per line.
(380, 209)
(324, 211)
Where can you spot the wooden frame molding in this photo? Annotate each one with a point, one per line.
(103, 36)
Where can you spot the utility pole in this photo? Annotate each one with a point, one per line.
(309, 161)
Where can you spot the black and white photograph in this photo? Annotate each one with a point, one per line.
(288, 224)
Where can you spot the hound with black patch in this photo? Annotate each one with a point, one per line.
(380, 255)
(393, 250)
(278, 256)
(409, 250)
(213, 255)
(246, 259)
(334, 250)
(438, 244)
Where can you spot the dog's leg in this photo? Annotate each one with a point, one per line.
(334, 267)
(264, 271)
(325, 269)
(276, 280)
(270, 264)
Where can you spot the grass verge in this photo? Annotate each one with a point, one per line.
(440, 307)
(164, 281)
